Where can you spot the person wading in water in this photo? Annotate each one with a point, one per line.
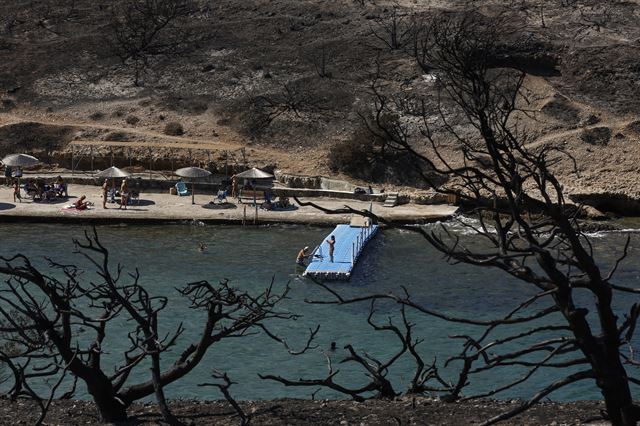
(302, 255)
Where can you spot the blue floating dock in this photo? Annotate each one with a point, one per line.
(350, 242)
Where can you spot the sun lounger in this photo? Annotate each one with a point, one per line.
(250, 196)
(181, 188)
(221, 196)
(134, 196)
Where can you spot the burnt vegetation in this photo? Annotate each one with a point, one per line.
(525, 228)
(54, 325)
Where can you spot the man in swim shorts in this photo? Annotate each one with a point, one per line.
(302, 255)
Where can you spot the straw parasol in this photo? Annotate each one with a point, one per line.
(20, 161)
(113, 172)
(193, 173)
(254, 174)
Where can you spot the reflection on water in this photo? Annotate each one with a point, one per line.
(168, 257)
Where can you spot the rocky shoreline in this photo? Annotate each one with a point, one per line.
(401, 411)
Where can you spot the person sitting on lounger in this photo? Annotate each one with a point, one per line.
(81, 204)
(61, 187)
(283, 202)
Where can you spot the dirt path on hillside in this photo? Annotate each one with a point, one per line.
(614, 125)
(227, 140)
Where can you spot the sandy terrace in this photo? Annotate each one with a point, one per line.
(164, 207)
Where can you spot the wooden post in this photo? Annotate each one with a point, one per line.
(244, 216)
(255, 218)
(73, 168)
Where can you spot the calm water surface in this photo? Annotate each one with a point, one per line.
(167, 257)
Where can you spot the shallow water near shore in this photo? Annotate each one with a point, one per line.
(168, 257)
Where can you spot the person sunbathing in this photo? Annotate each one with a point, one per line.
(81, 204)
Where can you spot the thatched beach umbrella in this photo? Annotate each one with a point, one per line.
(254, 174)
(19, 161)
(113, 173)
(193, 173)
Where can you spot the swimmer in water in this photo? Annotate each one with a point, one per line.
(202, 246)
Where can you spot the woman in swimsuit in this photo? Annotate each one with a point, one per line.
(124, 194)
(81, 204)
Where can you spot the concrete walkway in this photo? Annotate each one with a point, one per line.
(155, 207)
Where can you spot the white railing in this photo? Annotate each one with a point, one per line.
(361, 239)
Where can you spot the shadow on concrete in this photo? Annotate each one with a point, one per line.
(7, 206)
(221, 206)
(63, 200)
(143, 203)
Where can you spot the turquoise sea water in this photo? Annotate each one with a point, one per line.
(168, 257)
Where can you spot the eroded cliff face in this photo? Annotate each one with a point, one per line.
(280, 83)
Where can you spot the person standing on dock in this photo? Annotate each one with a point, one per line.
(105, 193)
(234, 187)
(332, 242)
(124, 194)
(16, 191)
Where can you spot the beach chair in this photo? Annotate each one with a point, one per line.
(221, 197)
(134, 196)
(181, 188)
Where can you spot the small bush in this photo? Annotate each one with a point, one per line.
(173, 128)
(96, 116)
(8, 104)
(596, 136)
(369, 157)
(117, 136)
(352, 156)
(132, 119)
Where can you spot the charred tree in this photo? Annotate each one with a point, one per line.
(48, 318)
(145, 31)
(525, 225)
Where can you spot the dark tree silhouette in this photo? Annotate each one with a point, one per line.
(147, 30)
(54, 324)
(525, 227)
(395, 30)
(376, 370)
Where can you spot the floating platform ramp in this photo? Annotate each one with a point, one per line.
(350, 242)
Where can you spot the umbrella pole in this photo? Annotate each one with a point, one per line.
(193, 194)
